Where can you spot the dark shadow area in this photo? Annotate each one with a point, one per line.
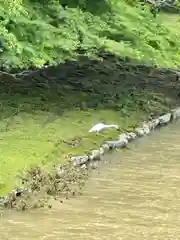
(92, 6)
(166, 7)
(118, 37)
(83, 84)
(172, 10)
(170, 7)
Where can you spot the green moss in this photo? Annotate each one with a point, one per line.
(29, 141)
(35, 131)
(44, 126)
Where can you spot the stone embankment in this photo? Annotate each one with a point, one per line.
(68, 174)
(144, 129)
(141, 76)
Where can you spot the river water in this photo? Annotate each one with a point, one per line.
(135, 195)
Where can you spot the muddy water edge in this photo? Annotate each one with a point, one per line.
(135, 194)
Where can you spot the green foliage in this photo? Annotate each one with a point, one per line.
(36, 32)
(178, 3)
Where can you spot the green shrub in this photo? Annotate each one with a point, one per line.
(37, 32)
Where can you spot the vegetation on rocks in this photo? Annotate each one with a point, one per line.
(45, 117)
(43, 124)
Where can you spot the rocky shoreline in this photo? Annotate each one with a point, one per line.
(68, 179)
(144, 129)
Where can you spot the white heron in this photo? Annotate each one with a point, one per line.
(101, 126)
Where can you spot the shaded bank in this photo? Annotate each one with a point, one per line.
(46, 115)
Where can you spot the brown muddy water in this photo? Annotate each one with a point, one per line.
(135, 195)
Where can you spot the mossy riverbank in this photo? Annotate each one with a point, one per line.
(45, 116)
(45, 120)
